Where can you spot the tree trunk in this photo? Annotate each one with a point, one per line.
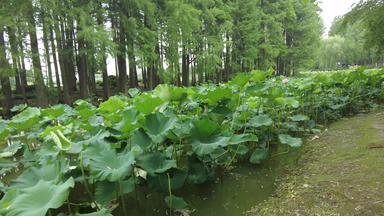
(20, 89)
(82, 66)
(62, 62)
(41, 91)
(145, 77)
(4, 79)
(55, 63)
(185, 67)
(227, 61)
(121, 61)
(106, 88)
(23, 75)
(92, 68)
(47, 54)
(103, 65)
(68, 54)
(132, 64)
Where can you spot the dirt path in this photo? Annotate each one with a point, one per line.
(340, 173)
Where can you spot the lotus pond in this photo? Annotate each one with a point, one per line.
(170, 146)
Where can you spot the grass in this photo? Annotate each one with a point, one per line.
(339, 173)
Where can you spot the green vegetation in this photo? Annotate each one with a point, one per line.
(200, 87)
(151, 42)
(355, 38)
(165, 139)
(340, 173)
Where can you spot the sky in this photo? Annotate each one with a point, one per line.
(334, 8)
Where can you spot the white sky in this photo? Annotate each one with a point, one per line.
(334, 8)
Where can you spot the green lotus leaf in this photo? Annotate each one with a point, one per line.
(38, 199)
(10, 150)
(204, 128)
(7, 165)
(217, 95)
(105, 192)
(113, 104)
(260, 120)
(19, 108)
(4, 132)
(291, 141)
(258, 89)
(60, 140)
(242, 138)
(240, 79)
(204, 137)
(170, 93)
(154, 163)
(47, 131)
(242, 150)
(158, 125)
(198, 172)
(7, 199)
(127, 186)
(176, 203)
(54, 111)
(140, 138)
(182, 129)
(97, 139)
(2, 186)
(106, 164)
(128, 122)
(84, 109)
(26, 119)
(205, 146)
(133, 92)
(258, 76)
(258, 156)
(32, 175)
(95, 121)
(146, 104)
(161, 182)
(298, 118)
(287, 101)
(163, 92)
(221, 156)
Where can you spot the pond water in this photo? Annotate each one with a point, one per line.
(232, 194)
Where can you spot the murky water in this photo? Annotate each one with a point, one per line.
(230, 195)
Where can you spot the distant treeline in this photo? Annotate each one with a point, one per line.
(184, 42)
(356, 38)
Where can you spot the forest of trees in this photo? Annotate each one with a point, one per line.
(59, 49)
(356, 38)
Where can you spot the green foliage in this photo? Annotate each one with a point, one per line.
(38, 199)
(354, 38)
(258, 156)
(168, 138)
(175, 202)
(26, 119)
(260, 120)
(291, 141)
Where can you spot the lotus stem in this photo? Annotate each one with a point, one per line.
(170, 192)
(85, 181)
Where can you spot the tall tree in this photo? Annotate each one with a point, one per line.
(41, 91)
(5, 71)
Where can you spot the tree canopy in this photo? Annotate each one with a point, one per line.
(59, 50)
